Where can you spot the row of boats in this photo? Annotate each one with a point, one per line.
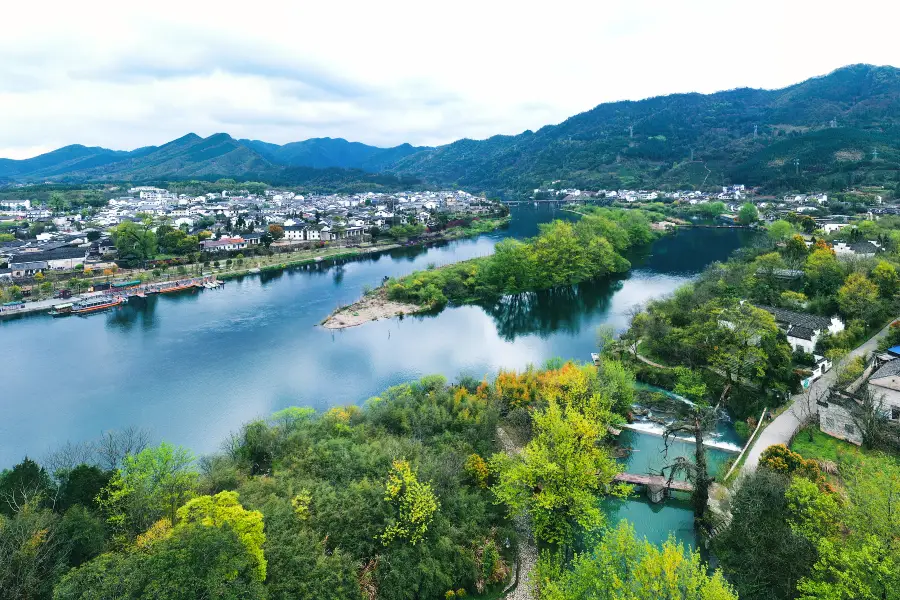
(106, 301)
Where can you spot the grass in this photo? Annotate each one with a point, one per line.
(825, 447)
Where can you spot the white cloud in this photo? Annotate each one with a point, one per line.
(124, 75)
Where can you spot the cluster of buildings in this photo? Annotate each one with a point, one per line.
(237, 220)
(730, 192)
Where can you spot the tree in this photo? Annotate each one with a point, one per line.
(558, 474)
(886, 278)
(194, 561)
(135, 243)
(761, 553)
(623, 567)
(857, 297)
(81, 485)
(276, 231)
(748, 214)
(151, 485)
(32, 554)
(27, 483)
(414, 504)
(824, 274)
(795, 251)
(223, 510)
(780, 231)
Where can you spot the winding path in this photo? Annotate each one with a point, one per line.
(527, 553)
(788, 423)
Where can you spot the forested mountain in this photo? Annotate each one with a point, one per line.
(326, 152)
(828, 133)
(830, 124)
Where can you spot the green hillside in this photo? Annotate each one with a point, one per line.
(827, 133)
(652, 142)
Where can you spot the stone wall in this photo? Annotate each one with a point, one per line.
(835, 420)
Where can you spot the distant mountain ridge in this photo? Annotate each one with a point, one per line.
(192, 156)
(828, 132)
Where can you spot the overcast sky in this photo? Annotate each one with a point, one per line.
(129, 74)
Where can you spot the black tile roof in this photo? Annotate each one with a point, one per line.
(55, 254)
(795, 319)
(888, 369)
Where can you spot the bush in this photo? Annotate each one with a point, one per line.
(742, 430)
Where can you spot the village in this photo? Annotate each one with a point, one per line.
(223, 223)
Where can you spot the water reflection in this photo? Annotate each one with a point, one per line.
(560, 309)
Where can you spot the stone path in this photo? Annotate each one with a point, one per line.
(527, 554)
(788, 423)
(646, 360)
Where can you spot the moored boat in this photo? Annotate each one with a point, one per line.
(62, 310)
(179, 286)
(96, 304)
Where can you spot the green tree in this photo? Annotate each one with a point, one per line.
(748, 214)
(32, 554)
(223, 510)
(886, 278)
(857, 297)
(26, 483)
(780, 231)
(151, 485)
(414, 504)
(623, 567)
(135, 242)
(558, 474)
(690, 384)
(824, 274)
(192, 562)
(761, 553)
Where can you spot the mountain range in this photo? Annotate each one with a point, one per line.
(829, 132)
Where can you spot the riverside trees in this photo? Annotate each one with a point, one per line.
(393, 500)
(563, 254)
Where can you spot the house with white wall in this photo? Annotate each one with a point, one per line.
(803, 330)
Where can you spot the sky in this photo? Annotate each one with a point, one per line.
(129, 74)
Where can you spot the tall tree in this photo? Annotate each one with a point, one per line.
(622, 567)
(558, 475)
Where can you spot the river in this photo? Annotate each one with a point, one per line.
(194, 367)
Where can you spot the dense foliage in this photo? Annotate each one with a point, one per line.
(407, 497)
(563, 254)
(713, 323)
(622, 567)
(821, 523)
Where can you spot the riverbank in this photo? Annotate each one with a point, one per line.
(252, 265)
(371, 307)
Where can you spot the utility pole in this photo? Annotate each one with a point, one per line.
(796, 166)
(631, 131)
(833, 123)
(875, 154)
(692, 155)
(754, 131)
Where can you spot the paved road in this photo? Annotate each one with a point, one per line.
(783, 428)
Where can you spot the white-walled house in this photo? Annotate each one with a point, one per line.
(864, 249)
(803, 330)
(885, 384)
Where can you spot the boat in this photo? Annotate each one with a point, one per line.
(98, 303)
(179, 286)
(62, 310)
(254, 270)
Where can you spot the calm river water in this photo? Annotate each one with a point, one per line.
(193, 368)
